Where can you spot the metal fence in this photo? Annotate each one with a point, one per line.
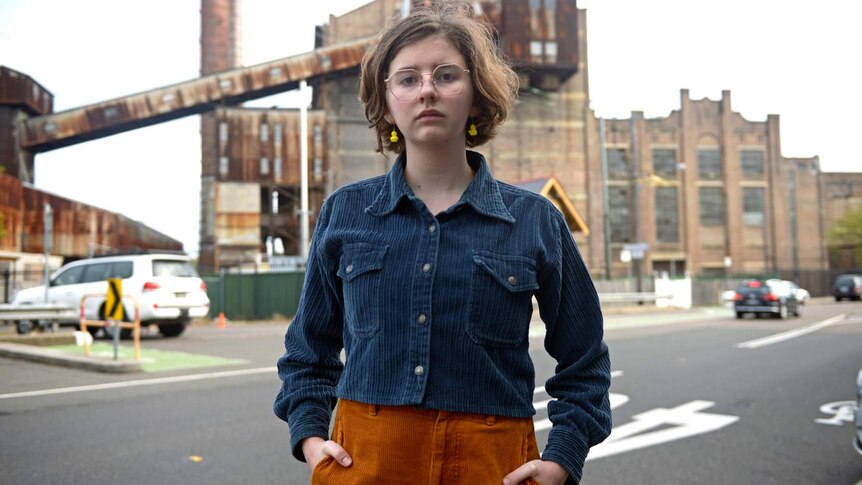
(254, 296)
(12, 280)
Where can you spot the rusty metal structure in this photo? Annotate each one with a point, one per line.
(78, 229)
(250, 157)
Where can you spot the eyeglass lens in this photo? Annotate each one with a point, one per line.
(448, 79)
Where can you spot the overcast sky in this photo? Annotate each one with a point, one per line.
(792, 58)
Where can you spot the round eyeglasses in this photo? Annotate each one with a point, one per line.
(447, 79)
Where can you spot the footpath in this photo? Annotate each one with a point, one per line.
(65, 348)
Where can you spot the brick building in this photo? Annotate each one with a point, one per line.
(703, 187)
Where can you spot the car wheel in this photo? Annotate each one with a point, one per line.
(739, 315)
(24, 326)
(172, 329)
(798, 311)
(782, 312)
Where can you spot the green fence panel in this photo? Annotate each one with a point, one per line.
(255, 296)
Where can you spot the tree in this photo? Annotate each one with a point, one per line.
(846, 234)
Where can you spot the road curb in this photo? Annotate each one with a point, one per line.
(63, 359)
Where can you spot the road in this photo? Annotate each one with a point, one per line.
(698, 397)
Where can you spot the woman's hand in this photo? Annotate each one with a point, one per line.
(543, 472)
(315, 449)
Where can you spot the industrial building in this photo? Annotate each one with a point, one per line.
(704, 190)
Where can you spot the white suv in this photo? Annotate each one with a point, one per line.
(167, 287)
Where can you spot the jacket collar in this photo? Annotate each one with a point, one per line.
(483, 193)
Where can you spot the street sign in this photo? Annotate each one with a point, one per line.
(636, 249)
(114, 300)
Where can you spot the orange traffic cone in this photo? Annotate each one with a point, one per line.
(221, 323)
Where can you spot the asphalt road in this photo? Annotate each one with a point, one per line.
(697, 399)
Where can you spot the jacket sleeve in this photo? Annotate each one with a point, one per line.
(568, 304)
(310, 367)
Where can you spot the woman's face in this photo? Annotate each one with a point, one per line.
(431, 117)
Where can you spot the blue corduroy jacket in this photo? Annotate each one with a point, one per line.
(434, 312)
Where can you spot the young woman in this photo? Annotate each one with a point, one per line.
(425, 278)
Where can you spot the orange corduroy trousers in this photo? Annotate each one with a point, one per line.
(403, 445)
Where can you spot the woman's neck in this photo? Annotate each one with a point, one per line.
(438, 176)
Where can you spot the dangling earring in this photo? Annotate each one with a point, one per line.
(393, 137)
(472, 131)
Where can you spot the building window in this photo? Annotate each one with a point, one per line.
(264, 132)
(223, 165)
(666, 215)
(618, 164)
(276, 169)
(753, 206)
(536, 49)
(752, 162)
(618, 204)
(264, 166)
(222, 132)
(709, 164)
(711, 206)
(664, 162)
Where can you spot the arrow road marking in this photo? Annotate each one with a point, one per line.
(688, 419)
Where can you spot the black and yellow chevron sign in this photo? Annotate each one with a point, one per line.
(114, 300)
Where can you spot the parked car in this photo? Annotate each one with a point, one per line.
(847, 286)
(763, 298)
(166, 285)
(857, 441)
(802, 295)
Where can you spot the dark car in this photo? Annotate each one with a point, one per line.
(764, 298)
(857, 442)
(847, 286)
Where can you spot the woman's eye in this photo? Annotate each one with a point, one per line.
(407, 80)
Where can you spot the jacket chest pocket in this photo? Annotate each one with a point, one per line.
(501, 299)
(360, 270)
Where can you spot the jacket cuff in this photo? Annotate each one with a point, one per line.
(565, 449)
(305, 424)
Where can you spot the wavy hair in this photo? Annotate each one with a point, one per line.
(495, 84)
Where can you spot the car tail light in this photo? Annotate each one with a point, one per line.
(150, 286)
(203, 286)
(737, 296)
(771, 297)
(754, 284)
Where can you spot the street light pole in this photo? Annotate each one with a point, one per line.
(605, 203)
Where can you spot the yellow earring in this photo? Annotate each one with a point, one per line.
(472, 131)
(393, 137)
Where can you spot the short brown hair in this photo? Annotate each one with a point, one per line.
(495, 84)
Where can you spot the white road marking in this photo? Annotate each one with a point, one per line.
(142, 382)
(688, 419)
(841, 411)
(790, 334)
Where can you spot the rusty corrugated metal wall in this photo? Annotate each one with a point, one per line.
(79, 229)
(20, 98)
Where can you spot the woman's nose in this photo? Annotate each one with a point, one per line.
(427, 89)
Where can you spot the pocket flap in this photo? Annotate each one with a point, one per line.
(515, 273)
(360, 258)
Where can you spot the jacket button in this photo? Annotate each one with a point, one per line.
(426, 268)
(432, 228)
(512, 280)
(421, 318)
(419, 370)
(349, 268)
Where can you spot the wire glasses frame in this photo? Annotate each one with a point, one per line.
(447, 80)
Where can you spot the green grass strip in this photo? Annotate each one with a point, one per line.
(152, 360)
